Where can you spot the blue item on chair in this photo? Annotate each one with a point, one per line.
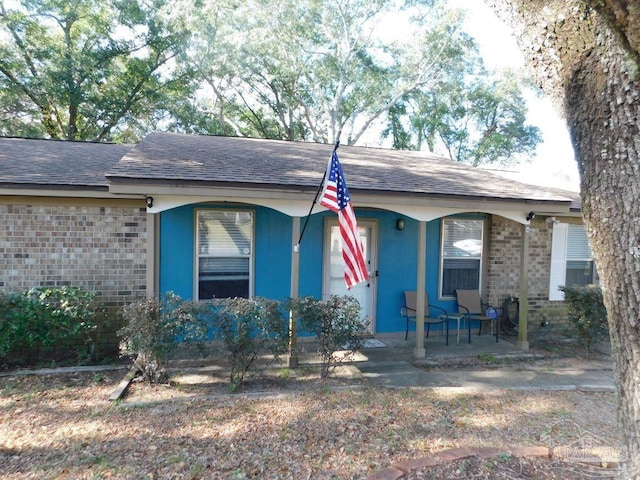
(471, 305)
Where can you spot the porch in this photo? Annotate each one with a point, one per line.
(502, 365)
(388, 360)
(436, 351)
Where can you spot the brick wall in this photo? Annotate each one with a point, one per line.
(503, 277)
(100, 246)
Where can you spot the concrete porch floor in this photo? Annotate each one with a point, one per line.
(396, 349)
(436, 348)
(394, 365)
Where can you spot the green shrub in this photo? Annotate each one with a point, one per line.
(247, 328)
(10, 328)
(154, 328)
(336, 324)
(586, 311)
(45, 316)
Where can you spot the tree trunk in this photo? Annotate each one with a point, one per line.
(586, 58)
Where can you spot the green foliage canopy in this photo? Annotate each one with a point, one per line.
(316, 71)
(88, 70)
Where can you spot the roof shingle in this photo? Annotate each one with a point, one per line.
(57, 164)
(197, 159)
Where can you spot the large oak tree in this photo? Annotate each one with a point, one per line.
(319, 70)
(323, 70)
(88, 70)
(586, 55)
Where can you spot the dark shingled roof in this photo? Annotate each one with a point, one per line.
(178, 159)
(57, 164)
(198, 160)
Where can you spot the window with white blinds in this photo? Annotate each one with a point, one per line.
(580, 264)
(224, 243)
(571, 259)
(461, 255)
(578, 243)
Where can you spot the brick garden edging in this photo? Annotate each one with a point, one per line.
(402, 468)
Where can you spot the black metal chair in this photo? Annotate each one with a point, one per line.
(409, 312)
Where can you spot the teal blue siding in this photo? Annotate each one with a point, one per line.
(176, 251)
(272, 262)
(397, 254)
(272, 259)
(311, 257)
(403, 273)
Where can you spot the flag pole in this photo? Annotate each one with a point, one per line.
(296, 247)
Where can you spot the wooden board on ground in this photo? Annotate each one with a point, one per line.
(122, 386)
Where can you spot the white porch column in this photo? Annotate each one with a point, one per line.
(523, 341)
(419, 351)
(295, 280)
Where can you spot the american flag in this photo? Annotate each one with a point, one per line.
(335, 196)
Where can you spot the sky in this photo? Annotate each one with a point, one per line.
(554, 164)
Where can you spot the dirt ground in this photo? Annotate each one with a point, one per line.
(286, 424)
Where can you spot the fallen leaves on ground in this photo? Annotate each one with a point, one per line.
(64, 427)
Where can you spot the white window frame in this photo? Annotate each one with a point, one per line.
(560, 254)
(443, 257)
(198, 254)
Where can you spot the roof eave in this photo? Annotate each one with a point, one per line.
(61, 191)
(132, 185)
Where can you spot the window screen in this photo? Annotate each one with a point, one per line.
(461, 255)
(580, 265)
(224, 246)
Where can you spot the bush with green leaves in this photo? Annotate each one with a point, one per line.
(337, 325)
(247, 329)
(44, 316)
(587, 312)
(155, 326)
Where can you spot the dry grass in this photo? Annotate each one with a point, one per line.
(64, 427)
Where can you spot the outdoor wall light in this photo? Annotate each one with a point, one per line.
(400, 224)
(531, 216)
(149, 202)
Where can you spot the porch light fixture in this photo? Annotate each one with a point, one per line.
(531, 216)
(149, 202)
(400, 224)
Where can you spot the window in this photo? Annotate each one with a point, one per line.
(461, 255)
(580, 265)
(571, 259)
(224, 243)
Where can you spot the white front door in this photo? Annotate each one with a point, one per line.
(333, 278)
